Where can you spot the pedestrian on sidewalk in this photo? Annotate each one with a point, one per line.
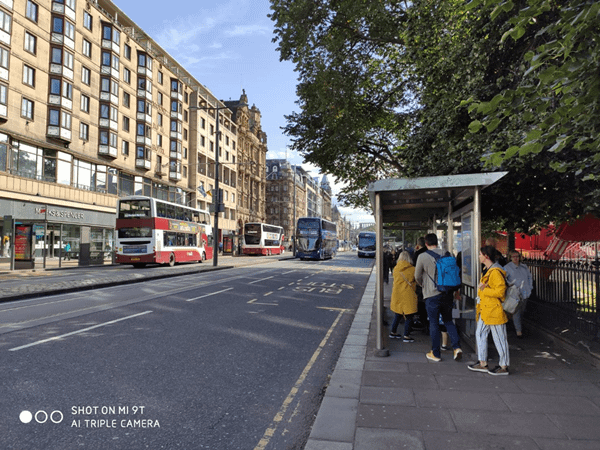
(404, 297)
(436, 302)
(518, 274)
(490, 316)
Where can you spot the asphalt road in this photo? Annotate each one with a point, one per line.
(232, 359)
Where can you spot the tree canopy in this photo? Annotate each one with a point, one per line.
(394, 88)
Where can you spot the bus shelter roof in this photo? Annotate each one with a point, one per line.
(414, 201)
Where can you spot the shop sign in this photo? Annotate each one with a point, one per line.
(59, 214)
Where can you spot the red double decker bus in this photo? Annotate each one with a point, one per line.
(150, 231)
(262, 239)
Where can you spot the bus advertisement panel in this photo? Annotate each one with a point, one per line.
(316, 238)
(150, 231)
(262, 239)
(366, 244)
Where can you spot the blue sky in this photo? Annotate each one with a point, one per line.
(227, 47)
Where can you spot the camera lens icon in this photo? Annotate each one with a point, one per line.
(41, 416)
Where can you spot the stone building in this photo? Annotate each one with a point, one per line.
(251, 164)
(92, 109)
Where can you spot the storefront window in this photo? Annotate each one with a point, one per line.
(71, 234)
(101, 245)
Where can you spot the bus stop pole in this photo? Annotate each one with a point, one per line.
(380, 350)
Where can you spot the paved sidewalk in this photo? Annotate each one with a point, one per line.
(550, 401)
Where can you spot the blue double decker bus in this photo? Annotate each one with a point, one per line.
(316, 238)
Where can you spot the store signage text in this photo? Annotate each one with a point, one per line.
(57, 213)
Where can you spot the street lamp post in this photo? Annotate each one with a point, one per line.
(216, 198)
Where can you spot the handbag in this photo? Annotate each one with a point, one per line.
(512, 299)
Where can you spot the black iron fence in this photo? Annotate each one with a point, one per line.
(566, 295)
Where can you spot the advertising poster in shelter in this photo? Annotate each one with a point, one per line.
(23, 242)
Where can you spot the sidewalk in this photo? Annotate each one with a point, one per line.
(550, 400)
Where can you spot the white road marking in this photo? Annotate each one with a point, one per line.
(262, 279)
(83, 330)
(208, 295)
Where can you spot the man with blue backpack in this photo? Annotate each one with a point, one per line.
(439, 275)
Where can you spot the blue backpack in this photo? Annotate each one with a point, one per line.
(447, 272)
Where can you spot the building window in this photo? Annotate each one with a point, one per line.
(159, 119)
(159, 140)
(127, 75)
(87, 20)
(125, 123)
(128, 52)
(85, 103)
(126, 99)
(27, 109)
(3, 99)
(64, 27)
(31, 12)
(4, 58)
(28, 75)
(87, 48)
(30, 43)
(84, 131)
(125, 148)
(5, 22)
(160, 98)
(85, 75)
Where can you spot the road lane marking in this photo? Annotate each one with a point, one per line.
(254, 302)
(262, 279)
(334, 309)
(208, 295)
(270, 432)
(83, 330)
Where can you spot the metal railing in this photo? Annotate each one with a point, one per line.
(566, 295)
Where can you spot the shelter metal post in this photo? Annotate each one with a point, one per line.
(477, 231)
(380, 350)
(450, 229)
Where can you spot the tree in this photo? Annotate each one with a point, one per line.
(396, 89)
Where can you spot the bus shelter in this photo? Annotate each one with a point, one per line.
(450, 204)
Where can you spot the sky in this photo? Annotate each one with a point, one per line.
(227, 46)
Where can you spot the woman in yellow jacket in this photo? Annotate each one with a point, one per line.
(490, 315)
(404, 297)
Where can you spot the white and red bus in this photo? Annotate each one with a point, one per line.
(150, 230)
(262, 239)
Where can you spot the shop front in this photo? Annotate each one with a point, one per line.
(38, 235)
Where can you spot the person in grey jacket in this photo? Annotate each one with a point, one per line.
(436, 302)
(518, 273)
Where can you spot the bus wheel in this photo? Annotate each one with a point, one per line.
(171, 260)
(139, 265)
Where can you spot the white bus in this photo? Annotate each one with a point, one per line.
(150, 230)
(262, 239)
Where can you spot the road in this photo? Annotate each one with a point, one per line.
(230, 359)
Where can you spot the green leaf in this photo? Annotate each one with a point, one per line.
(475, 126)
